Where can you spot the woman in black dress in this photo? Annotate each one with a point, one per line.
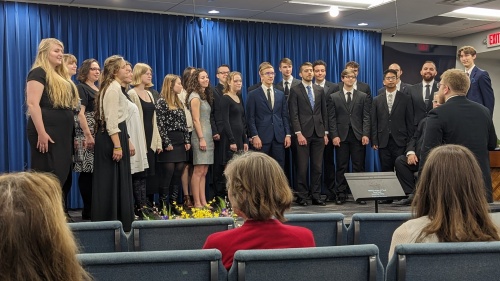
(234, 137)
(112, 197)
(88, 75)
(51, 98)
(174, 136)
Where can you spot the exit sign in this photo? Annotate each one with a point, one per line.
(493, 39)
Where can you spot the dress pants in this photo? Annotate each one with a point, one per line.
(312, 154)
(405, 173)
(352, 149)
(389, 154)
(276, 150)
(218, 179)
(329, 168)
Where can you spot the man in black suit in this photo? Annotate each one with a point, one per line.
(406, 165)
(461, 121)
(349, 121)
(422, 94)
(358, 85)
(267, 117)
(288, 81)
(319, 68)
(392, 122)
(400, 85)
(218, 184)
(309, 118)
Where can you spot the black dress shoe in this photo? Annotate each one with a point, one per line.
(301, 202)
(331, 198)
(361, 202)
(340, 200)
(385, 201)
(403, 202)
(318, 202)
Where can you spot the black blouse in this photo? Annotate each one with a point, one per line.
(170, 120)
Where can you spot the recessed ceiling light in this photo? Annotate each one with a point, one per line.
(362, 24)
(213, 12)
(349, 4)
(475, 13)
(334, 11)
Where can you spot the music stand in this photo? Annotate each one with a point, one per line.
(375, 186)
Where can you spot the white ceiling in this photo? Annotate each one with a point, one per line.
(382, 18)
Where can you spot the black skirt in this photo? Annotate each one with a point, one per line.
(178, 154)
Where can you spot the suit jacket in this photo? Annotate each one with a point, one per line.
(305, 119)
(421, 108)
(280, 86)
(480, 89)
(399, 123)
(216, 121)
(416, 140)
(329, 89)
(461, 121)
(254, 86)
(356, 115)
(266, 122)
(361, 86)
(404, 87)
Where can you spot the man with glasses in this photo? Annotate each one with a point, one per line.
(400, 85)
(267, 117)
(422, 94)
(392, 122)
(461, 121)
(358, 85)
(349, 125)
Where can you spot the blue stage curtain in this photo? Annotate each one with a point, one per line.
(168, 44)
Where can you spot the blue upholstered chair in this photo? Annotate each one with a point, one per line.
(182, 265)
(478, 261)
(100, 236)
(354, 262)
(328, 228)
(375, 228)
(163, 235)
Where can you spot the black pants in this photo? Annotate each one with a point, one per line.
(389, 154)
(405, 173)
(350, 149)
(312, 154)
(329, 168)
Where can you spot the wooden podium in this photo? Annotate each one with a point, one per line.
(495, 173)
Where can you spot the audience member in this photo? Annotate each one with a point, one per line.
(450, 204)
(259, 193)
(36, 243)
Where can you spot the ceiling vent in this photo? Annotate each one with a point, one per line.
(464, 3)
(438, 20)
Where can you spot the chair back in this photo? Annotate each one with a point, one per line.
(328, 228)
(100, 236)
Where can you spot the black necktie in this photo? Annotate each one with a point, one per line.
(269, 98)
(287, 89)
(348, 98)
(427, 92)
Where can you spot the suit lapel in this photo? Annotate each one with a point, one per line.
(344, 102)
(305, 96)
(264, 94)
(383, 96)
(397, 98)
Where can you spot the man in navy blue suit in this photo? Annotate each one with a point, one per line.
(480, 89)
(267, 117)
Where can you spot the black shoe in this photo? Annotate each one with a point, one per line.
(385, 201)
(340, 200)
(361, 202)
(301, 202)
(403, 202)
(331, 198)
(318, 202)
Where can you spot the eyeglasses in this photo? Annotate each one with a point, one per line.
(224, 72)
(95, 68)
(350, 76)
(434, 101)
(391, 78)
(269, 73)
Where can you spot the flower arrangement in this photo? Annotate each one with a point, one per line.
(174, 211)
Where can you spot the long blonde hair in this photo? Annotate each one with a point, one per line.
(36, 242)
(62, 91)
(168, 94)
(450, 191)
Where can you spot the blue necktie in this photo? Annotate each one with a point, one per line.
(310, 95)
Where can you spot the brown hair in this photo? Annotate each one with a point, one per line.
(352, 64)
(346, 72)
(305, 64)
(193, 86)
(36, 243)
(230, 77)
(457, 80)
(286, 61)
(83, 71)
(468, 50)
(69, 58)
(450, 191)
(168, 94)
(264, 65)
(257, 186)
(185, 75)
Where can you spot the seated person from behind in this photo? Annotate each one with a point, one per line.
(36, 242)
(450, 202)
(258, 191)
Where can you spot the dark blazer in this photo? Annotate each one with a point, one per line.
(404, 87)
(216, 121)
(329, 89)
(415, 143)
(461, 121)
(420, 108)
(361, 86)
(280, 86)
(266, 122)
(254, 86)
(341, 116)
(302, 116)
(480, 89)
(399, 123)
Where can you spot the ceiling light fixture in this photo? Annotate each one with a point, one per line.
(362, 24)
(213, 12)
(334, 11)
(347, 4)
(475, 13)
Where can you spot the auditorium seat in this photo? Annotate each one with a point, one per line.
(478, 261)
(182, 234)
(100, 236)
(375, 228)
(328, 228)
(354, 262)
(182, 265)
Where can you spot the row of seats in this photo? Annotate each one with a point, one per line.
(329, 229)
(430, 262)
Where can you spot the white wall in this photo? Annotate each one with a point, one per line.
(416, 39)
(477, 41)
